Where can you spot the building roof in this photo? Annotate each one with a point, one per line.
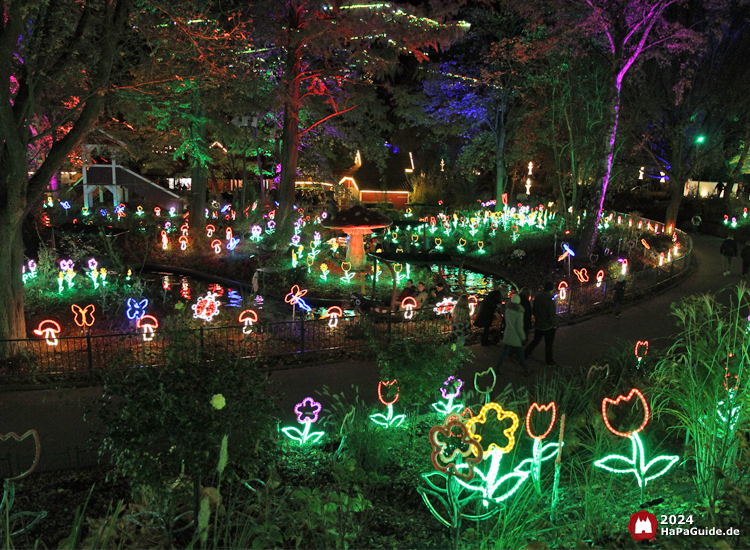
(368, 176)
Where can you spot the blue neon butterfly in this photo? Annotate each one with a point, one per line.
(136, 310)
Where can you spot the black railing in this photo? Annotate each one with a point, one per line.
(84, 356)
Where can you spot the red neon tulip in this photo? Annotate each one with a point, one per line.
(382, 385)
(641, 346)
(617, 401)
(540, 408)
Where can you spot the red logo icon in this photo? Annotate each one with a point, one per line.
(643, 526)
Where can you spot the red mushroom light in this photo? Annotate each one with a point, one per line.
(355, 222)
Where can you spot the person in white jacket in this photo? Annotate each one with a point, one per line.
(514, 336)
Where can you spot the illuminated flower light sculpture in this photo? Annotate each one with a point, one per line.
(83, 317)
(641, 349)
(635, 464)
(13, 520)
(307, 419)
(388, 420)
(490, 485)
(488, 374)
(324, 272)
(206, 307)
(408, 304)
(49, 329)
(147, 324)
(541, 452)
(450, 390)
(346, 267)
(136, 309)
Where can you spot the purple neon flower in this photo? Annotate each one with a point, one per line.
(454, 383)
(308, 416)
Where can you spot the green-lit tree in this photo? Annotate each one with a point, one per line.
(59, 60)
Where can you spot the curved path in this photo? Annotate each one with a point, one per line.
(58, 414)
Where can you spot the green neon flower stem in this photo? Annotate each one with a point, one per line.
(637, 465)
(303, 436)
(536, 465)
(388, 420)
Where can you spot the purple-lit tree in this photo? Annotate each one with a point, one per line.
(57, 62)
(477, 94)
(625, 32)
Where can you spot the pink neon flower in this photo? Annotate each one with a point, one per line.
(308, 417)
(454, 383)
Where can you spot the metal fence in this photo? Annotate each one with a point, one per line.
(84, 356)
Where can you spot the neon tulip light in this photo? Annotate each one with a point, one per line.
(147, 324)
(635, 464)
(451, 390)
(641, 349)
(541, 452)
(388, 420)
(489, 373)
(49, 329)
(307, 419)
(248, 317)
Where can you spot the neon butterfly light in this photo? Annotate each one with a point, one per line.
(136, 309)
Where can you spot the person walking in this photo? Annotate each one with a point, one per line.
(461, 320)
(545, 319)
(514, 336)
(696, 220)
(745, 255)
(619, 294)
(525, 295)
(486, 314)
(728, 250)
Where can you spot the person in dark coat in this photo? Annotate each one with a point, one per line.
(728, 250)
(486, 314)
(525, 295)
(545, 323)
(745, 255)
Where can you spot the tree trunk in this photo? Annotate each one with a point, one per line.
(736, 172)
(502, 173)
(596, 200)
(290, 133)
(198, 183)
(678, 191)
(12, 321)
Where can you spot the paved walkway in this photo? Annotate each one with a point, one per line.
(58, 415)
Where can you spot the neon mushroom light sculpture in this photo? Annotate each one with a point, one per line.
(148, 323)
(355, 222)
(248, 317)
(49, 329)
